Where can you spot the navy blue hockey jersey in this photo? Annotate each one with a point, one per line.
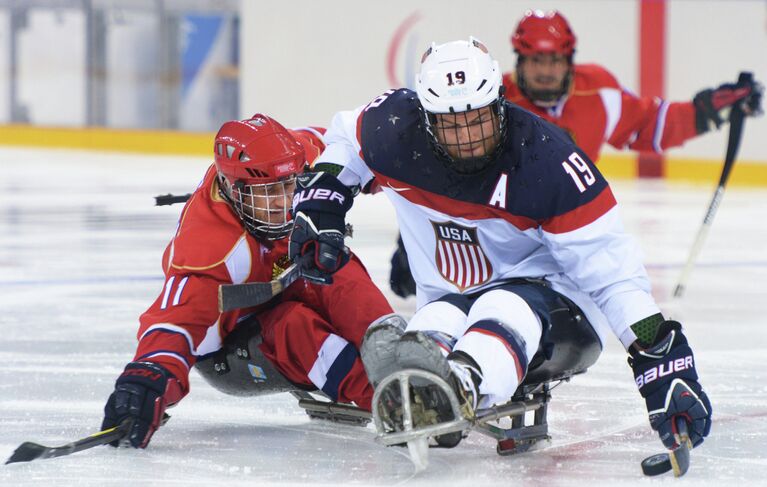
(542, 209)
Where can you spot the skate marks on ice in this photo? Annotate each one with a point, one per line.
(77, 270)
(269, 442)
(599, 432)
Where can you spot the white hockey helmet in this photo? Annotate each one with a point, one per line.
(460, 89)
(458, 76)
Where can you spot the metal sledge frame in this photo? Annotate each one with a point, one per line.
(520, 437)
(569, 346)
(410, 433)
(331, 411)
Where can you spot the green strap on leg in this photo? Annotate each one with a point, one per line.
(646, 329)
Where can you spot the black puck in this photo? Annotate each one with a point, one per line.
(656, 464)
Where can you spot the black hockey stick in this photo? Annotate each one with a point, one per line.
(28, 451)
(677, 459)
(233, 296)
(733, 143)
(170, 199)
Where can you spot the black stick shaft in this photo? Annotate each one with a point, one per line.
(28, 451)
(733, 144)
(171, 199)
(234, 296)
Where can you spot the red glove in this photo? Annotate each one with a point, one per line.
(142, 392)
(711, 103)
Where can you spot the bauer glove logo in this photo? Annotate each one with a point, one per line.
(318, 194)
(662, 370)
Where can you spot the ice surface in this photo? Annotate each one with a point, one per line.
(80, 248)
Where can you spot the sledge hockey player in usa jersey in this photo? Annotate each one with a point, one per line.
(589, 103)
(234, 230)
(514, 238)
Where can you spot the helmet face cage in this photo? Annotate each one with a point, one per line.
(263, 208)
(459, 87)
(457, 136)
(257, 161)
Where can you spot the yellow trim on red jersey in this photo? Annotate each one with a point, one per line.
(215, 194)
(211, 266)
(586, 92)
(317, 152)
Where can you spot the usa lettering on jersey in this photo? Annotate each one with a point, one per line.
(459, 256)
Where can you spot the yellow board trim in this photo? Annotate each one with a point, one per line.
(618, 166)
(689, 170)
(613, 166)
(139, 141)
(744, 173)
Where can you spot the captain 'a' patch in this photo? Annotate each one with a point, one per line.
(459, 255)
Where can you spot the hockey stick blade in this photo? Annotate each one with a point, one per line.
(234, 296)
(733, 144)
(28, 451)
(677, 459)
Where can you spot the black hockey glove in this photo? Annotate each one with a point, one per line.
(400, 278)
(141, 394)
(710, 103)
(666, 377)
(320, 205)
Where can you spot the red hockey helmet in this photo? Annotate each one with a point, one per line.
(257, 162)
(540, 32)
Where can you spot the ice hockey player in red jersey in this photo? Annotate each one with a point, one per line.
(589, 103)
(233, 230)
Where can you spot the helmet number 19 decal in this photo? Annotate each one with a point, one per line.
(584, 173)
(460, 78)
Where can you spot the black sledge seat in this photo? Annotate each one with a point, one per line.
(240, 369)
(570, 346)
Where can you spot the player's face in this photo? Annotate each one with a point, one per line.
(467, 135)
(544, 72)
(268, 203)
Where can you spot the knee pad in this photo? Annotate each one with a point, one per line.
(440, 316)
(514, 312)
(240, 369)
(500, 353)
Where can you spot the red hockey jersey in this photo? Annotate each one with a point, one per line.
(598, 110)
(211, 248)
